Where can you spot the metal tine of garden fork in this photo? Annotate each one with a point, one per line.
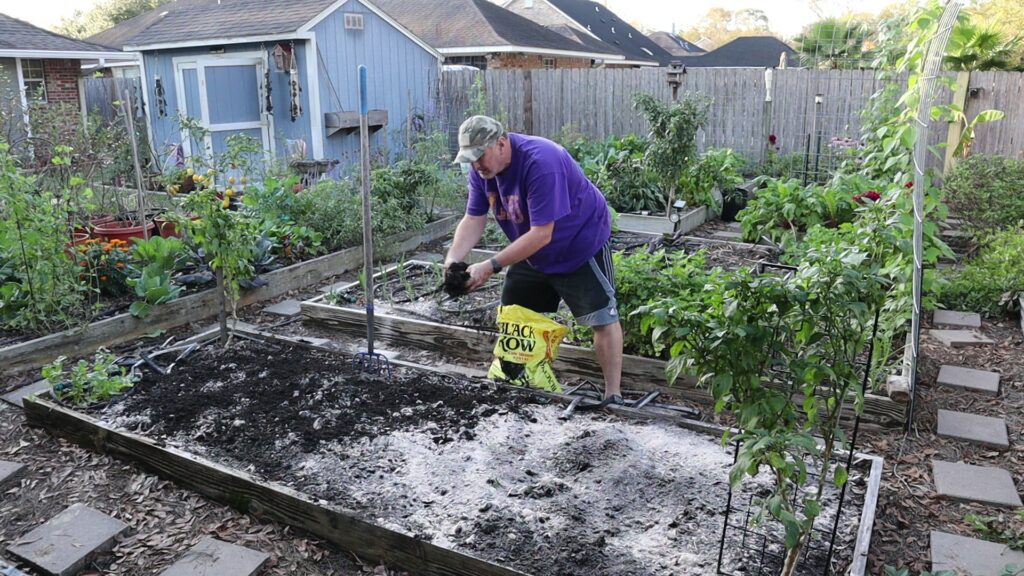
(646, 399)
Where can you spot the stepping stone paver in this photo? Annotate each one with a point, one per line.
(970, 556)
(965, 482)
(984, 430)
(211, 557)
(284, 308)
(64, 544)
(9, 472)
(969, 379)
(15, 397)
(960, 338)
(958, 319)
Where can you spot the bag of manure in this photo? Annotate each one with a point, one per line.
(527, 345)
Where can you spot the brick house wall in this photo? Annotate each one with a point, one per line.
(534, 61)
(62, 80)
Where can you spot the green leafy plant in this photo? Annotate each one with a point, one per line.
(673, 145)
(763, 342)
(893, 571)
(992, 281)
(986, 192)
(88, 382)
(717, 170)
(40, 288)
(1005, 529)
(617, 167)
(152, 287)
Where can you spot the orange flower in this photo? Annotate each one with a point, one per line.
(107, 249)
(123, 249)
(83, 263)
(120, 264)
(103, 278)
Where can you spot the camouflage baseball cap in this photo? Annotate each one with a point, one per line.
(475, 135)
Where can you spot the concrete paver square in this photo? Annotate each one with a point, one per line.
(965, 482)
(284, 308)
(960, 338)
(727, 235)
(64, 544)
(9, 472)
(211, 557)
(984, 430)
(16, 396)
(958, 319)
(970, 556)
(969, 379)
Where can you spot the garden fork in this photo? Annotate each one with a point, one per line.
(369, 361)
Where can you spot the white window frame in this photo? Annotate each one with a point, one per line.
(200, 63)
(549, 63)
(26, 67)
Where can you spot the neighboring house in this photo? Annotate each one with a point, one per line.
(579, 19)
(675, 45)
(282, 71)
(40, 67)
(484, 35)
(747, 52)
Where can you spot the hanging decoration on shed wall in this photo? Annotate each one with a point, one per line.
(161, 100)
(267, 89)
(296, 88)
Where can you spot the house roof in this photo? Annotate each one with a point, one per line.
(190, 21)
(458, 26)
(675, 45)
(746, 51)
(21, 39)
(614, 31)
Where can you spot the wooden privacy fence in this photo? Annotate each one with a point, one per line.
(102, 93)
(809, 111)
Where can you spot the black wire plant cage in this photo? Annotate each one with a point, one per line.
(749, 550)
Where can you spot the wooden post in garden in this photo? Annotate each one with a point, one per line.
(956, 129)
(128, 109)
(766, 126)
(222, 316)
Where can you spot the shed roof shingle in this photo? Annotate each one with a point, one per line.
(192, 20)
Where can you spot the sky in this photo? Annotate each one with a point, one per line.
(786, 17)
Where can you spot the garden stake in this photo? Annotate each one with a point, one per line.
(368, 361)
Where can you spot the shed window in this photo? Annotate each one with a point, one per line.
(549, 63)
(35, 81)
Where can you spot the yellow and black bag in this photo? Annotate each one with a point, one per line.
(527, 345)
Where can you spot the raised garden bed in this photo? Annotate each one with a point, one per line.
(28, 355)
(476, 346)
(438, 475)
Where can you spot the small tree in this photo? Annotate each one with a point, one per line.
(673, 136)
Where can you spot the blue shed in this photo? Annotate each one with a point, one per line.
(282, 71)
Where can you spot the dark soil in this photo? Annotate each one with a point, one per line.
(455, 279)
(261, 396)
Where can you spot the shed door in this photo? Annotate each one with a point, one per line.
(226, 96)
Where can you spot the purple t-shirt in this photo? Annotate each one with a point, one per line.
(544, 184)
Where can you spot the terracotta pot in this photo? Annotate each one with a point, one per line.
(122, 230)
(76, 239)
(167, 228)
(93, 222)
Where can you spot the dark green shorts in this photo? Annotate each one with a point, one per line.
(589, 291)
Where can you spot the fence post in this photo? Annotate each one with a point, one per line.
(956, 128)
(527, 102)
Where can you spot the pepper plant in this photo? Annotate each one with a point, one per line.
(785, 356)
(673, 145)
